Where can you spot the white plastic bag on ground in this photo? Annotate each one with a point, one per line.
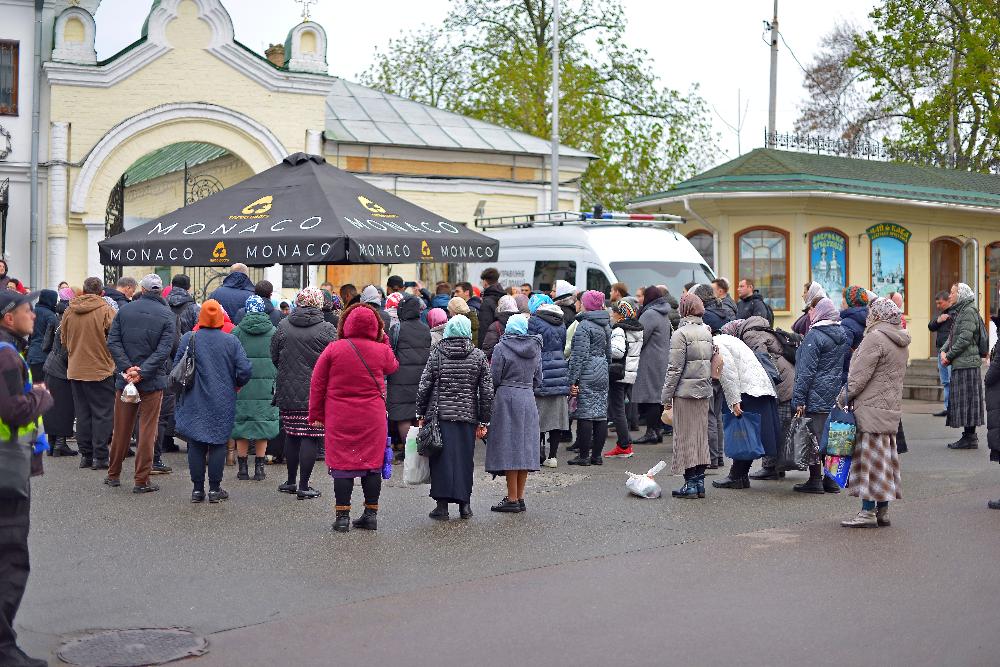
(416, 468)
(645, 486)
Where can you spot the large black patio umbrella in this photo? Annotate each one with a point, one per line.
(302, 211)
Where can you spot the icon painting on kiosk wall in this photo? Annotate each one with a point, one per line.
(889, 242)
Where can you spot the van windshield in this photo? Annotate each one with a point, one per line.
(675, 275)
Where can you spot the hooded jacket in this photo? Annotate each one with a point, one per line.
(728, 307)
(411, 342)
(875, 382)
(588, 364)
(819, 366)
(741, 371)
(206, 412)
(547, 322)
(234, 292)
(256, 414)
(962, 348)
(349, 400)
(142, 335)
(84, 332)
(488, 309)
(854, 322)
(752, 333)
(567, 304)
(185, 310)
(656, 331)
(272, 313)
(494, 332)
(716, 315)
(457, 381)
(752, 305)
(56, 359)
(45, 315)
(626, 343)
(689, 374)
(295, 347)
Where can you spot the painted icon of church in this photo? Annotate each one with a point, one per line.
(829, 273)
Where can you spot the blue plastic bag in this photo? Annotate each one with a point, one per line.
(742, 436)
(387, 460)
(838, 468)
(840, 432)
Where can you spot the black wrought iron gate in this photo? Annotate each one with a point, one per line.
(114, 223)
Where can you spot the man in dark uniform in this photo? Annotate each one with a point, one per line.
(21, 404)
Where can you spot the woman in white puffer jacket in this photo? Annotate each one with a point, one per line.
(747, 388)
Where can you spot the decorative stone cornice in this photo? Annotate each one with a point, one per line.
(81, 53)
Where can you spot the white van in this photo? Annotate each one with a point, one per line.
(591, 254)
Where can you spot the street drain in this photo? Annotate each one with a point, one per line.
(132, 648)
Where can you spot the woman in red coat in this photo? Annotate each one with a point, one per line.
(347, 397)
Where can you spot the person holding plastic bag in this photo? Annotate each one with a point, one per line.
(687, 388)
(748, 390)
(819, 376)
(456, 388)
(875, 389)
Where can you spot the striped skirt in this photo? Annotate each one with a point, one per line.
(875, 468)
(965, 399)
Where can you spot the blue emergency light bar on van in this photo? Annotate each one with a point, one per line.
(559, 218)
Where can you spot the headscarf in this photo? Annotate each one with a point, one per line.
(310, 297)
(824, 310)
(507, 304)
(338, 304)
(814, 291)
(212, 316)
(964, 292)
(111, 302)
(650, 294)
(884, 310)
(458, 306)
(856, 297)
(626, 309)
(255, 304)
(67, 294)
(592, 300)
(393, 301)
(537, 300)
(522, 304)
(436, 317)
(517, 324)
(691, 305)
(371, 295)
(457, 327)
(732, 328)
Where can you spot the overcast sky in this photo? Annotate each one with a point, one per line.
(715, 43)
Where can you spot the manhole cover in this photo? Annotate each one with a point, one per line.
(132, 648)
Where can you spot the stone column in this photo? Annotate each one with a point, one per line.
(95, 233)
(314, 142)
(57, 230)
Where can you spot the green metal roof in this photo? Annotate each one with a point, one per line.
(172, 158)
(770, 170)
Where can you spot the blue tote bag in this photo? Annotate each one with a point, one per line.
(742, 436)
(837, 439)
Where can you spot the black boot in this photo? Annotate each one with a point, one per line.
(465, 511)
(967, 441)
(243, 472)
(440, 512)
(321, 452)
(814, 485)
(258, 468)
(730, 482)
(86, 461)
(652, 436)
(830, 486)
(368, 520)
(343, 521)
(767, 473)
(62, 448)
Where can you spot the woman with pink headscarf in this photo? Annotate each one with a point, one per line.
(588, 378)
(437, 320)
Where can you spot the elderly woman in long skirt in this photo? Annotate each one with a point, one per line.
(688, 390)
(456, 385)
(875, 388)
(512, 449)
(961, 354)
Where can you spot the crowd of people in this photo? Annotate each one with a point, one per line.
(343, 377)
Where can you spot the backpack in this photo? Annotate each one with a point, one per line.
(772, 371)
(789, 341)
(984, 338)
(770, 313)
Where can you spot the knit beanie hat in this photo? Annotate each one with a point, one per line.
(691, 306)
(592, 300)
(254, 304)
(458, 306)
(211, 315)
(856, 297)
(436, 317)
(507, 304)
(625, 309)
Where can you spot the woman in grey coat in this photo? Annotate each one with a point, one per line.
(656, 330)
(688, 390)
(457, 385)
(588, 378)
(512, 449)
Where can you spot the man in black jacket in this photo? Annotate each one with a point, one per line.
(752, 303)
(492, 291)
(941, 326)
(21, 404)
(123, 291)
(140, 341)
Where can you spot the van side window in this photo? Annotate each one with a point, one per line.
(548, 272)
(596, 280)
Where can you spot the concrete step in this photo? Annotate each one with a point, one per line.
(923, 393)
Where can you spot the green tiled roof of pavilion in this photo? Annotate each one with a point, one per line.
(770, 170)
(172, 158)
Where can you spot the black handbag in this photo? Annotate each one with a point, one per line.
(429, 440)
(181, 378)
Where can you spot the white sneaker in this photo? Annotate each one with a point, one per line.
(550, 463)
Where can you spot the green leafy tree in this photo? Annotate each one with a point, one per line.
(492, 60)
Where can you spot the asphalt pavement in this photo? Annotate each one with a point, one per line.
(587, 576)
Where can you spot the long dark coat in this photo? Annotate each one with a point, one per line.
(655, 355)
(411, 341)
(588, 364)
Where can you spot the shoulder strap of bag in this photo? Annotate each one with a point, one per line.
(368, 368)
